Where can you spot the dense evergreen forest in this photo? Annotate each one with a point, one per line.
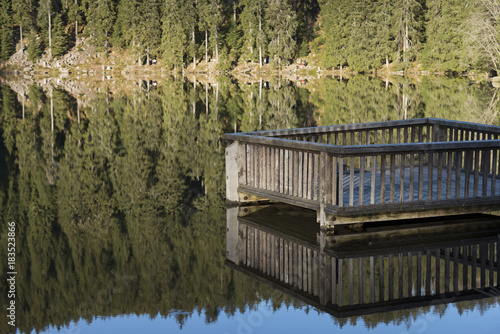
(451, 35)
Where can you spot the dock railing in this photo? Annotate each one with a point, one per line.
(368, 172)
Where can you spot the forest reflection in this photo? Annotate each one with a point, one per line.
(120, 201)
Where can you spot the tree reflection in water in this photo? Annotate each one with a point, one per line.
(120, 201)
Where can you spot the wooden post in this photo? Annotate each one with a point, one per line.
(234, 171)
(325, 187)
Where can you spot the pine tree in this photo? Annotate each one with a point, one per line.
(23, 11)
(59, 37)
(204, 13)
(307, 14)
(190, 21)
(336, 25)
(35, 49)
(74, 14)
(281, 27)
(101, 21)
(174, 37)
(6, 33)
(125, 28)
(408, 28)
(249, 27)
(445, 47)
(47, 9)
(149, 27)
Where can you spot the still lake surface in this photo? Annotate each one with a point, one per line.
(121, 222)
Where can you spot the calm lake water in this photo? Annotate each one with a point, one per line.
(119, 203)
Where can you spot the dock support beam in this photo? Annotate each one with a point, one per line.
(325, 189)
(234, 171)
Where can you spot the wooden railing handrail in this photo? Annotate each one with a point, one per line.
(465, 125)
(371, 149)
(340, 128)
(321, 130)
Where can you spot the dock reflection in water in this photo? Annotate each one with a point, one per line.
(381, 268)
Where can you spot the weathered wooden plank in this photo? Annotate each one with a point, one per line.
(402, 178)
(373, 180)
(301, 180)
(382, 178)
(466, 125)
(477, 158)
(485, 168)
(494, 172)
(340, 184)
(335, 181)
(420, 177)
(392, 182)
(310, 191)
(440, 175)
(458, 173)
(449, 174)
(351, 182)
(361, 191)
(430, 177)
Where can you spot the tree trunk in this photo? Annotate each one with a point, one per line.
(194, 52)
(260, 45)
(206, 45)
(147, 57)
(21, 34)
(76, 20)
(140, 60)
(51, 115)
(216, 45)
(217, 102)
(387, 62)
(50, 32)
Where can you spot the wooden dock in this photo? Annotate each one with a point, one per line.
(379, 270)
(370, 172)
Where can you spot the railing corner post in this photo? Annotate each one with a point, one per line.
(234, 171)
(325, 187)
